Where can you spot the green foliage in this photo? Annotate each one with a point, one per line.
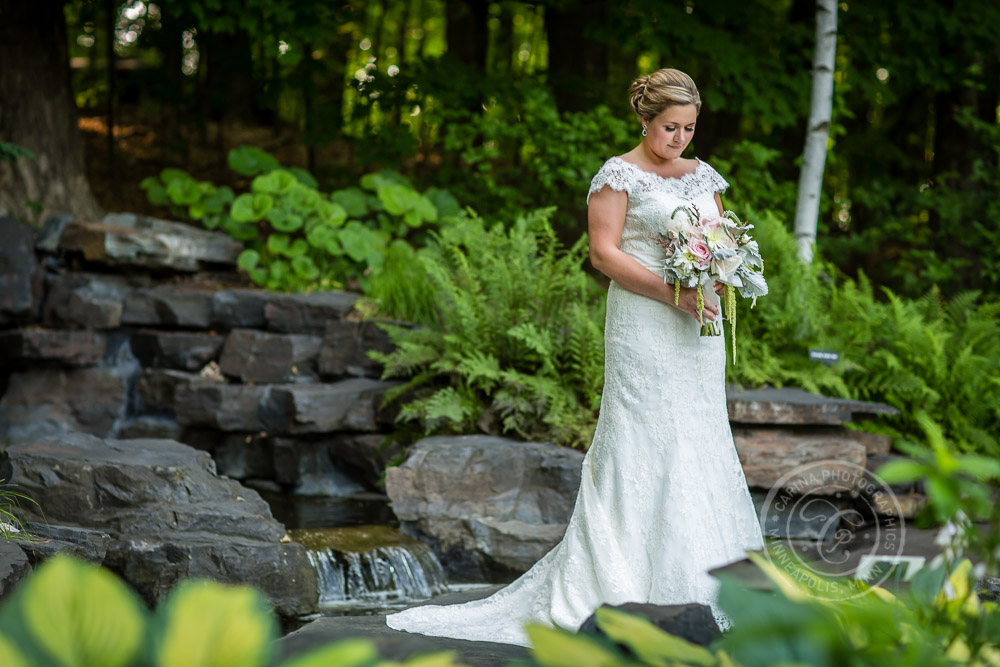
(512, 343)
(11, 526)
(297, 237)
(71, 613)
(13, 152)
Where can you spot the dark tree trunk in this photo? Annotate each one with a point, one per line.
(467, 32)
(37, 111)
(578, 64)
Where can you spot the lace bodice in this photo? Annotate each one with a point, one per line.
(651, 200)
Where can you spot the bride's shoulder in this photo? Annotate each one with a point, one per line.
(615, 173)
(710, 177)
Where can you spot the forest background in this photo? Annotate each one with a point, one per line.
(510, 107)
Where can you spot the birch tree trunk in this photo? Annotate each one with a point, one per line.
(820, 111)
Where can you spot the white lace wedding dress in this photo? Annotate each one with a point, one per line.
(662, 497)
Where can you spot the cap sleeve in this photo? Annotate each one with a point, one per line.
(715, 180)
(614, 173)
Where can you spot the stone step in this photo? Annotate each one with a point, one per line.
(134, 240)
(346, 345)
(69, 348)
(85, 301)
(186, 351)
(261, 357)
(306, 313)
(172, 307)
(284, 409)
(769, 455)
(796, 406)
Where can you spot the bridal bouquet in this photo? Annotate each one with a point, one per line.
(701, 251)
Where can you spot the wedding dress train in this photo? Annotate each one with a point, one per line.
(662, 496)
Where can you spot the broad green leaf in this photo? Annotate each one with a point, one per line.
(290, 223)
(397, 199)
(207, 624)
(298, 248)
(552, 647)
(278, 243)
(305, 268)
(353, 200)
(344, 653)
(169, 175)
(275, 182)
(319, 235)
(240, 231)
(251, 208)
(331, 213)
(155, 192)
(259, 275)
(901, 471)
(303, 177)
(81, 614)
(357, 241)
(447, 206)
(10, 655)
(250, 160)
(647, 641)
(183, 191)
(248, 259)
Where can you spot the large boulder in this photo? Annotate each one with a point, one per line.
(490, 507)
(20, 273)
(167, 512)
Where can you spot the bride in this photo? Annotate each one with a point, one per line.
(662, 496)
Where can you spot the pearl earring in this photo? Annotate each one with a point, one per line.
(643, 130)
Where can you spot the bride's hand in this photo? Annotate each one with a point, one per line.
(720, 288)
(688, 302)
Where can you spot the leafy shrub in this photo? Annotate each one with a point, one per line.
(513, 344)
(70, 612)
(297, 237)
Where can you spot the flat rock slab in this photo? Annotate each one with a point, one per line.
(176, 349)
(70, 348)
(306, 313)
(20, 273)
(171, 307)
(346, 345)
(50, 539)
(349, 405)
(260, 357)
(773, 456)
(85, 301)
(156, 388)
(398, 646)
(133, 240)
(240, 309)
(226, 407)
(796, 406)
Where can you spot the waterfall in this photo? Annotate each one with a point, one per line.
(371, 565)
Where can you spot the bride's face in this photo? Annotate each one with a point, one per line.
(671, 131)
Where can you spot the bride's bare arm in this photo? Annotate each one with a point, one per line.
(606, 220)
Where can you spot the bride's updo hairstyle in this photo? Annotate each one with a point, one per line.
(649, 95)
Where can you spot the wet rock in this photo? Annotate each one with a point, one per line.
(173, 349)
(167, 512)
(20, 273)
(174, 307)
(49, 539)
(52, 231)
(242, 456)
(308, 467)
(226, 407)
(346, 345)
(85, 301)
(449, 483)
(365, 454)
(156, 388)
(259, 357)
(132, 240)
(14, 566)
(43, 401)
(239, 309)
(693, 622)
(307, 313)
(349, 405)
(70, 348)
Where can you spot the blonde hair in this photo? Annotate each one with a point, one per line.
(649, 95)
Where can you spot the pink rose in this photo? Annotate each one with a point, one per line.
(699, 250)
(711, 223)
